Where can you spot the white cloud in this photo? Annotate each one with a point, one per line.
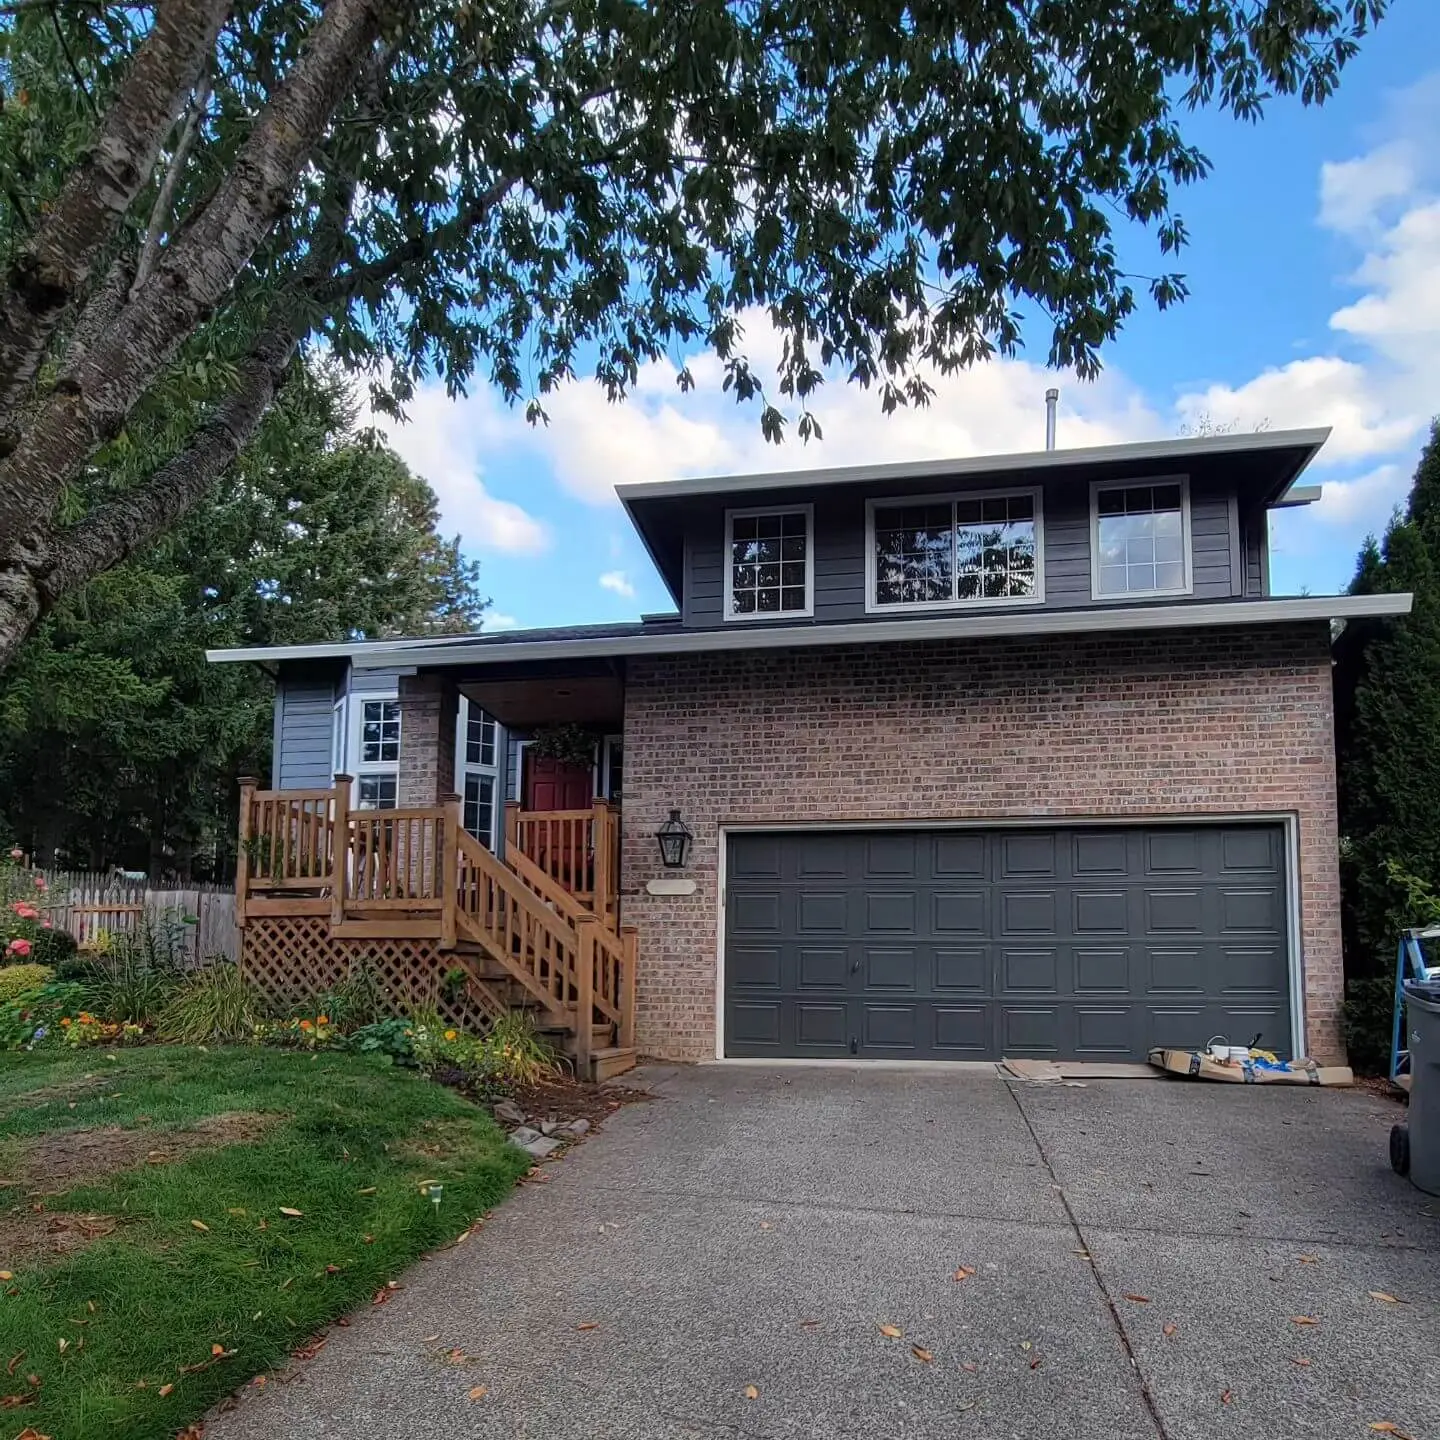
(495, 621)
(618, 582)
(1400, 315)
(439, 442)
(1365, 501)
(1323, 390)
(1354, 193)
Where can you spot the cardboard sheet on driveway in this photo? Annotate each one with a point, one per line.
(1197, 1066)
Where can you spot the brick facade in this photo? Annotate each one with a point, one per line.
(428, 705)
(1225, 721)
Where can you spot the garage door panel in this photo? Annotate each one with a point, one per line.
(964, 967)
(1095, 942)
(823, 912)
(891, 911)
(1100, 912)
(887, 969)
(963, 1032)
(823, 969)
(754, 912)
(822, 1026)
(960, 854)
(1101, 969)
(1028, 912)
(755, 967)
(960, 912)
(1027, 852)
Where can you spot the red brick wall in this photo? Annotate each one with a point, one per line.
(428, 705)
(1175, 723)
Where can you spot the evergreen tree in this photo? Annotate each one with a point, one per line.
(1387, 711)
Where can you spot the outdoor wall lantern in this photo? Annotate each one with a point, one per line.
(675, 841)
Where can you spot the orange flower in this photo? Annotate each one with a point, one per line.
(306, 1025)
(322, 1019)
(449, 1034)
(65, 1021)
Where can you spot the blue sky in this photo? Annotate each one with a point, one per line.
(1315, 300)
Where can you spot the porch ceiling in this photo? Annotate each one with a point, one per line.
(524, 704)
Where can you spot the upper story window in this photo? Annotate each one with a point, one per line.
(770, 563)
(479, 738)
(955, 550)
(1140, 539)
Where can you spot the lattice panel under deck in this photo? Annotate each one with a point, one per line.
(291, 959)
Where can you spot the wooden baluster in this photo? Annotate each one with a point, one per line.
(242, 854)
(630, 936)
(585, 927)
(512, 825)
(340, 848)
(447, 868)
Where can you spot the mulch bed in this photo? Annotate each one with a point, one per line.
(574, 1100)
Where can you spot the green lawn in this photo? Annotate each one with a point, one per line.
(346, 1142)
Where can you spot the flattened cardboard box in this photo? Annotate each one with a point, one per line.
(1201, 1067)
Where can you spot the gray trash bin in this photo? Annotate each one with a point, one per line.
(1415, 1146)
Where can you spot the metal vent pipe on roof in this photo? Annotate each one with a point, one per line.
(1052, 399)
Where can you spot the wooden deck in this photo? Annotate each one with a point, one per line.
(409, 895)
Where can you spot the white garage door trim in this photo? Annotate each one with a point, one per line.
(1287, 819)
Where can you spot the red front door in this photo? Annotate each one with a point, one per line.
(558, 785)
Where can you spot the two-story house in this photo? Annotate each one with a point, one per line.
(1014, 755)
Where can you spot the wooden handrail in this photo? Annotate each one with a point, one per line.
(578, 849)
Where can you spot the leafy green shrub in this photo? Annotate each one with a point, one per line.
(300, 1032)
(510, 1053)
(358, 1001)
(35, 1017)
(53, 947)
(392, 1037)
(125, 988)
(18, 980)
(518, 1055)
(1369, 1019)
(216, 1003)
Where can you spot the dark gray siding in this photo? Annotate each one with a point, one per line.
(840, 549)
(304, 732)
(384, 682)
(1255, 544)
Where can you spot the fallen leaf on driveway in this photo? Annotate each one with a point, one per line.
(588, 1325)
(1035, 1363)
(1139, 1299)
(752, 1392)
(893, 1331)
(971, 1366)
(1302, 1361)
(1224, 1397)
(920, 1353)
(766, 1225)
(478, 1392)
(1303, 1320)
(1026, 1345)
(1308, 1260)
(1168, 1328)
(1388, 1427)
(964, 1272)
(1386, 1297)
(808, 1324)
(1083, 1254)
(429, 1339)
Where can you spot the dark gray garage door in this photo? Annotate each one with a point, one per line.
(972, 944)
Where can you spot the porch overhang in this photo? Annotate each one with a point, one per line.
(568, 692)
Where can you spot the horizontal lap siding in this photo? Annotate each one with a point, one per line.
(840, 540)
(304, 733)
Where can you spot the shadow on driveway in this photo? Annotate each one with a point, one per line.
(753, 1229)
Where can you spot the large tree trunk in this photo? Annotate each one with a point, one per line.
(46, 277)
(53, 562)
(94, 397)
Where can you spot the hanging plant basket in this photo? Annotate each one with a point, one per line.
(565, 744)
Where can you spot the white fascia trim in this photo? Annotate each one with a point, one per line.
(1298, 495)
(970, 626)
(1172, 450)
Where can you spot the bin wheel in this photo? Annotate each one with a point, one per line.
(1400, 1149)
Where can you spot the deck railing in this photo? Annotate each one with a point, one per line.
(578, 849)
(548, 917)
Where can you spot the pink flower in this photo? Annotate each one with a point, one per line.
(40, 883)
(17, 853)
(45, 923)
(18, 947)
(24, 911)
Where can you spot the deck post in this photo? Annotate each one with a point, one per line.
(512, 824)
(248, 785)
(447, 869)
(630, 937)
(601, 860)
(585, 993)
(340, 848)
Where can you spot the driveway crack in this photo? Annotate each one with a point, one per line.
(1121, 1333)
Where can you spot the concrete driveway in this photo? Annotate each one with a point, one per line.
(753, 1228)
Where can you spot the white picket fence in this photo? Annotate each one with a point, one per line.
(85, 903)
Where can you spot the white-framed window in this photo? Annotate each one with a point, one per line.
(955, 551)
(480, 743)
(376, 751)
(1140, 538)
(770, 563)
